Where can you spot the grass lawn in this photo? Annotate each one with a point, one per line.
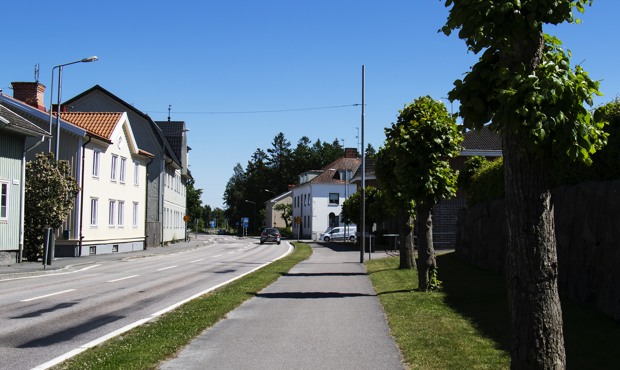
(146, 346)
(465, 326)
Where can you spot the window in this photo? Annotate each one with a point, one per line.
(94, 205)
(121, 174)
(121, 213)
(135, 214)
(113, 169)
(112, 213)
(334, 198)
(136, 173)
(96, 154)
(4, 200)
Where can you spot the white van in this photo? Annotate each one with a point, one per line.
(338, 233)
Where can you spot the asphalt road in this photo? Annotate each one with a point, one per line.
(47, 316)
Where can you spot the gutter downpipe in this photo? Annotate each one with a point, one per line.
(82, 196)
(22, 205)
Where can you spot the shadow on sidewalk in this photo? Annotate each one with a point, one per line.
(311, 295)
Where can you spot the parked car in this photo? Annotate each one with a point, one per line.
(270, 234)
(338, 233)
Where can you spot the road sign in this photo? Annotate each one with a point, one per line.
(186, 218)
(245, 221)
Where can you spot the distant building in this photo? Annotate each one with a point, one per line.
(317, 200)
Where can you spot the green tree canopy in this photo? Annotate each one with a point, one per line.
(50, 196)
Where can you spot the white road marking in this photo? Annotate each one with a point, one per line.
(52, 274)
(47, 295)
(195, 261)
(126, 328)
(123, 278)
(166, 268)
(218, 255)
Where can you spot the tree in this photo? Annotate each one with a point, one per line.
(351, 208)
(423, 139)
(50, 196)
(286, 210)
(523, 84)
(193, 201)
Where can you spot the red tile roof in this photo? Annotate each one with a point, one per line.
(100, 124)
(330, 173)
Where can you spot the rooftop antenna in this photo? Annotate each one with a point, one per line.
(169, 107)
(36, 73)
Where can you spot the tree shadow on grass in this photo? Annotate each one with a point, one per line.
(477, 294)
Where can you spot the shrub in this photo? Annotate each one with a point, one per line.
(487, 183)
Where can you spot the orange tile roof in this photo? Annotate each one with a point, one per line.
(101, 124)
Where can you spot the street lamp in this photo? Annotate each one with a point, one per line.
(85, 60)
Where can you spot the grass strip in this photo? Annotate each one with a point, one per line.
(465, 326)
(148, 345)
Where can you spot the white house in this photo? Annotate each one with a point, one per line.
(273, 217)
(113, 194)
(167, 171)
(317, 200)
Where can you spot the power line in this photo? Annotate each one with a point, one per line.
(265, 111)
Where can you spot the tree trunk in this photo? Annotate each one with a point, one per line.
(537, 341)
(405, 232)
(426, 251)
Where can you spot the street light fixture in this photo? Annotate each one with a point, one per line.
(85, 60)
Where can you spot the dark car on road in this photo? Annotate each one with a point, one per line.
(270, 234)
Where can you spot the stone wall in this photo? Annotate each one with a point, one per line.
(587, 219)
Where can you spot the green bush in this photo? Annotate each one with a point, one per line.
(487, 183)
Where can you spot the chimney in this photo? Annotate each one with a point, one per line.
(31, 93)
(350, 153)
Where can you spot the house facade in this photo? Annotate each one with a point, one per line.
(273, 217)
(27, 101)
(14, 129)
(113, 195)
(166, 173)
(317, 200)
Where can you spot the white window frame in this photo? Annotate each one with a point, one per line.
(111, 212)
(114, 164)
(121, 173)
(136, 209)
(96, 162)
(136, 173)
(335, 201)
(4, 200)
(94, 211)
(121, 213)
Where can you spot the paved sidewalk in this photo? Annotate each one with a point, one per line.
(323, 314)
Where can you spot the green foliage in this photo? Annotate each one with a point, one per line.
(270, 172)
(433, 282)
(375, 207)
(523, 80)
(472, 165)
(50, 196)
(413, 165)
(487, 183)
(193, 201)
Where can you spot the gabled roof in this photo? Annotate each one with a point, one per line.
(331, 174)
(128, 107)
(36, 116)
(173, 131)
(482, 140)
(100, 124)
(370, 171)
(279, 197)
(16, 123)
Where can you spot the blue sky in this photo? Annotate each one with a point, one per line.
(208, 57)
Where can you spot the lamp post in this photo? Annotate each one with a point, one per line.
(85, 60)
(254, 216)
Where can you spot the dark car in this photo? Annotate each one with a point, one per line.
(270, 234)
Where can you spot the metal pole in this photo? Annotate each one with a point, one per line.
(50, 111)
(57, 152)
(363, 244)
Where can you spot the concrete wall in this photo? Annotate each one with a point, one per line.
(587, 219)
